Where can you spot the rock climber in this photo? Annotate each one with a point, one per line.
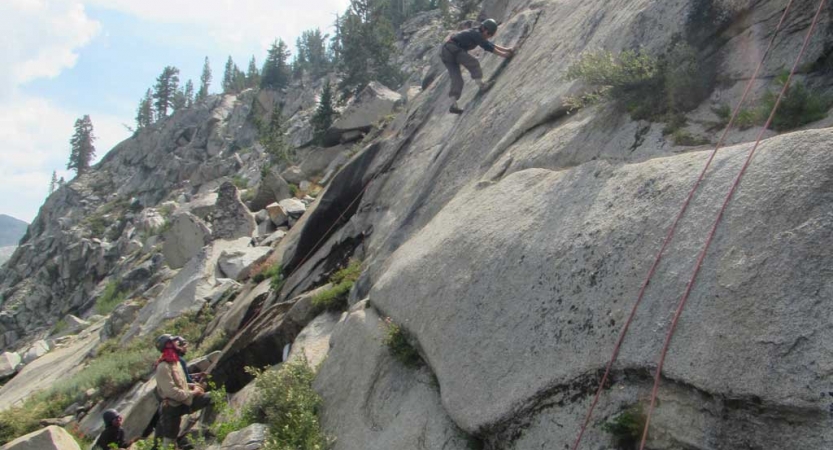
(454, 53)
(177, 397)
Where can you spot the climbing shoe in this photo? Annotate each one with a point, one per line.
(455, 110)
(486, 86)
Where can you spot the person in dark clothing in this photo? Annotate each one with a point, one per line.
(454, 53)
(113, 432)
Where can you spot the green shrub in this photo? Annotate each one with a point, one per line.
(684, 138)
(109, 299)
(748, 118)
(798, 107)
(646, 86)
(24, 419)
(240, 182)
(232, 420)
(398, 342)
(59, 327)
(626, 428)
(294, 190)
(97, 225)
(342, 281)
(286, 402)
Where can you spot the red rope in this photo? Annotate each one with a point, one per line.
(671, 231)
(702, 256)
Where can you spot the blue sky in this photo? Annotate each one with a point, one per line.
(61, 59)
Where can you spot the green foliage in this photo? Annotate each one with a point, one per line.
(59, 327)
(798, 107)
(294, 189)
(747, 118)
(367, 46)
(683, 137)
(342, 281)
(240, 181)
(23, 419)
(324, 115)
(109, 299)
(273, 138)
(205, 81)
(398, 342)
(645, 86)
(144, 113)
(164, 91)
(276, 71)
(82, 150)
(288, 405)
(626, 428)
(97, 224)
(231, 419)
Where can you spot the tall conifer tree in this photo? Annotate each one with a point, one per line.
(276, 72)
(252, 74)
(324, 114)
(144, 114)
(205, 81)
(82, 150)
(165, 90)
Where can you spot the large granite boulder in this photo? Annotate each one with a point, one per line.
(231, 217)
(374, 402)
(252, 437)
(49, 438)
(371, 105)
(10, 363)
(272, 188)
(186, 237)
(38, 349)
(137, 406)
(236, 264)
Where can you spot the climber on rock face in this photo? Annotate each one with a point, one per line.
(454, 53)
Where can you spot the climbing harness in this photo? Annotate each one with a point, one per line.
(673, 227)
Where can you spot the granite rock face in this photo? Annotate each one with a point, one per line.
(231, 217)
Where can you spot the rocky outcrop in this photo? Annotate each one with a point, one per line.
(237, 264)
(10, 363)
(272, 188)
(231, 217)
(252, 437)
(186, 237)
(371, 105)
(49, 438)
(372, 401)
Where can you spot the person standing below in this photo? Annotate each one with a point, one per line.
(177, 396)
(113, 433)
(454, 53)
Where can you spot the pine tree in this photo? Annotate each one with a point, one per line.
(334, 50)
(276, 72)
(144, 114)
(82, 150)
(189, 94)
(53, 183)
(179, 100)
(228, 76)
(165, 90)
(273, 138)
(367, 39)
(324, 114)
(299, 64)
(238, 80)
(314, 48)
(252, 74)
(205, 81)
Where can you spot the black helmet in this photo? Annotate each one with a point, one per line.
(490, 25)
(109, 416)
(162, 341)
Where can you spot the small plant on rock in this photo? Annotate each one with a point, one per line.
(343, 280)
(109, 299)
(626, 428)
(798, 107)
(398, 342)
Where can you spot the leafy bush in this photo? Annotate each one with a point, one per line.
(240, 182)
(626, 428)
(646, 86)
(343, 280)
(273, 272)
(684, 138)
(287, 404)
(294, 189)
(24, 419)
(798, 107)
(232, 420)
(747, 118)
(398, 342)
(109, 299)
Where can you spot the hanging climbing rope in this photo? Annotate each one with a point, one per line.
(672, 229)
(708, 242)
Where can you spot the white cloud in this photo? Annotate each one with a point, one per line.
(40, 39)
(235, 25)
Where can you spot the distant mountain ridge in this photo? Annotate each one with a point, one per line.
(11, 230)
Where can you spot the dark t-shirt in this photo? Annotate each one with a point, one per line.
(111, 435)
(470, 39)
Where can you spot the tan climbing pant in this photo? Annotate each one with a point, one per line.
(453, 57)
